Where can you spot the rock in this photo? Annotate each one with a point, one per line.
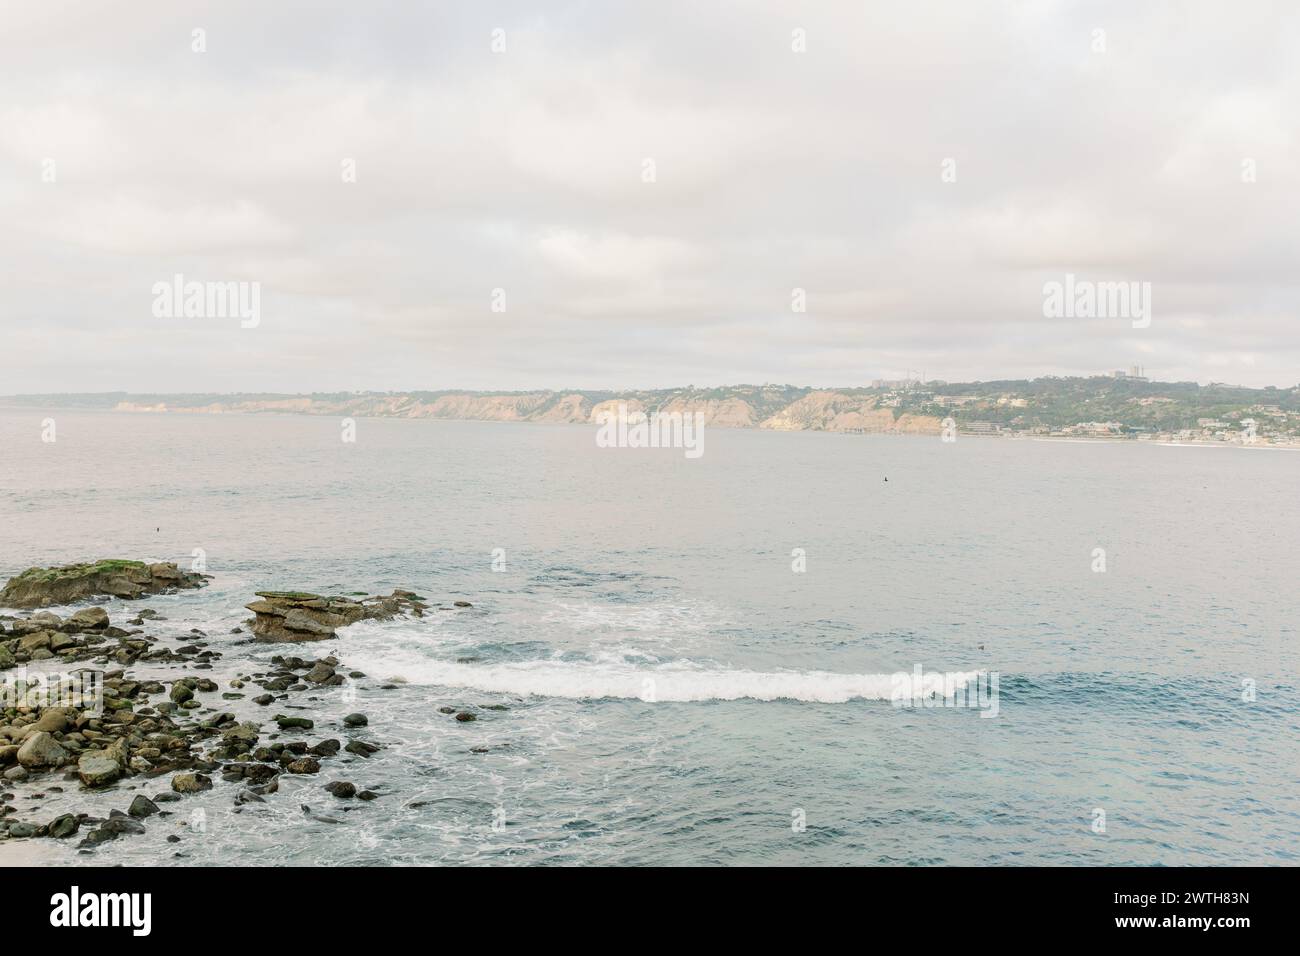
(320, 673)
(36, 641)
(43, 587)
(342, 789)
(264, 699)
(97, 769)
(8, 754)
(367, 795)
(89, 619)
(303, 765)
(191, 783)
(22, 830)
(247, 796)
(64, 826)
(287, 723)
(16, 774)
(7, 659)
(361, 748)
(118, 822)
(465, 716)
(461, 604)
(301, 616)
(53, 720)
(355, 720)
(119, 752)
(181, 692)
(242, 735)
(142, 806)
(40, 751)
(307, 811)
(326, 748)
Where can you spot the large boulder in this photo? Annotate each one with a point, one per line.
(42, 587)
(299, 616)
(88, 619)
(40, 750)
(97, 768)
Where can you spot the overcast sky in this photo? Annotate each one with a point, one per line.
(1115, 156)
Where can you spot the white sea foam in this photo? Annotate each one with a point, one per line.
(669, 683)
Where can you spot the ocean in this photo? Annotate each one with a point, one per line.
(693, 658)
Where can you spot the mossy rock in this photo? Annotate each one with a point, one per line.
(113, 577)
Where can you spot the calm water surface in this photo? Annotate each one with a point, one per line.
(637, 573)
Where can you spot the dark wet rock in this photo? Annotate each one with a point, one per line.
(181, 692)
(119, 822)
(465, 716)
(320, 673)
(461, 604)
(446, 710)
(355, 720)
(142, 806)
(264, 699)
(64, 826)
(16, 774)
(342, 789)
(361, 748)
(300, 616)
(367, 795)
(166, 797)
(248, 796)
(326, 748)
(43, 587)
(303, 765)
(308, 812)
(22, 830)
(288, 723)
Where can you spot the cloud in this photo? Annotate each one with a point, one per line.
(526, 170)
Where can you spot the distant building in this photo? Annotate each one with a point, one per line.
(1135, 372)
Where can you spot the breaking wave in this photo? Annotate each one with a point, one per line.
(669, 683)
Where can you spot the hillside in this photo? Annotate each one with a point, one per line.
(1100, 406)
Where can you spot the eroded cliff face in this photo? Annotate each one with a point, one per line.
(610, 407)
(718, 413)
(825, 410)
(832, 411)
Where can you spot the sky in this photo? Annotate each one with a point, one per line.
(498, 195)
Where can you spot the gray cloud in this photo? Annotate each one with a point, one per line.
(523, 170)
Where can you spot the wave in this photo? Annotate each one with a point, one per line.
(678, 683)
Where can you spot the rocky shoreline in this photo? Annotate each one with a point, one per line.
(104, 726)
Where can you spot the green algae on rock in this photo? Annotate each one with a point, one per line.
(43, 587)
